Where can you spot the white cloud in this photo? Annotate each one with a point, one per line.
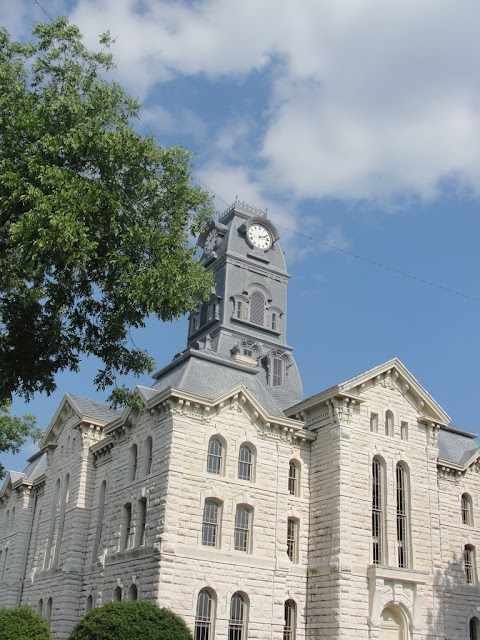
(366, 100)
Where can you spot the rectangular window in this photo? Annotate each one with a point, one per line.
(374, 422)
(404, 430)
(277, 372)
(210, 524)
(242, 529)
(292, 539)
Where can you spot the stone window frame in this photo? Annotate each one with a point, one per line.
(216, 457)
(148, 455)
(470, 564)
(467, 509)
(294, 475)
(378, 481)
(243, 526)
(238, 617)
(289, 619)
(205, 614)
(141, 533)
(133, 462)
(211, 526)
(389, 423)
(402, 509)
(246, 465)
(374, 422)
(293, 528)
(404, 430)
(126, 531)
(474, 628)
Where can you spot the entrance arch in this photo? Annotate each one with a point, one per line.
(392, 626)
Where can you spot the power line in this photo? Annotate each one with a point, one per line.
(356, 256)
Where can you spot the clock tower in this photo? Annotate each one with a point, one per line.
(244, 321)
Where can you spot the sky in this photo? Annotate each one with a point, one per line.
(356, 123)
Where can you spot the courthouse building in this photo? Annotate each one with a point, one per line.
(250, 510)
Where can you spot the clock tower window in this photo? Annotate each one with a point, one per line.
(257, 308)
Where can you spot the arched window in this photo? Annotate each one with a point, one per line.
(61, 519)
(389, 424)
(40, 606)
(204, 616)
(211, 515)
(126, 526)
(245, 458)
(274, 321)
(243, 523)
(148, 448)
(215, 456)
(289, 625)
(278, 370)
(142, 522)
(133, 593)
(293, 478)
(89, 603)
(469, 563)
(53, 517)
(402, 516)
(378, 513)
(257, 308)
(100, 514)
(292, 539)
(48, 609)
(474, 629)
(133, 462)
(237, 621)
(117, 594)
(467, 510)
(239, 310)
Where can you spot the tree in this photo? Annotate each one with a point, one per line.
(95, 219)
(23, 623)
(130, 621)
(14, 432)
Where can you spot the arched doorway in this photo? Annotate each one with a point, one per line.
(392, 627)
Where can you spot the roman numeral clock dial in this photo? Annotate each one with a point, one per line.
(259, 236)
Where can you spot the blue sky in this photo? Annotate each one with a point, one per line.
(356, 123)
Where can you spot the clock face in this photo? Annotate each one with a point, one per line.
(210, 241)
(259, 236)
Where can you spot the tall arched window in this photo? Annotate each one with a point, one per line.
(133, 593)
(257, 308)
(215, 456)
(61, 519)
(474, 629)
(378, 514)
(237, 621)
(292, 539)
(40, 606)
(142, 522)
(89, 603)
(211, 515)
(289, 625)
(100, 514)
(48, 609)
(126, 526)
(402, 516)
(133, 462)
(293, 478)
(469, 564)
(148, 449)
(117, 594)
(389, 424)
(467, 510)
(245, 463)
(204, 616)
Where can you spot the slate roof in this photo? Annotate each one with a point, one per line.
(86, 407)
(456, 446)
(37, 466)
(210, 378)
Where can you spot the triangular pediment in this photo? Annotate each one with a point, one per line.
(73, 410)
(393, 375)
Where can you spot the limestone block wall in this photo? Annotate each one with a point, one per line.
(460, 601)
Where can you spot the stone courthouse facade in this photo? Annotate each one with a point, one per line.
(248, 509)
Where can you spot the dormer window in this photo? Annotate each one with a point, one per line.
(277, 372)
(277, 363)
(274, 321)
(239, 310)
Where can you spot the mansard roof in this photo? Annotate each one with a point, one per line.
(458, 446)
(209, 374)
